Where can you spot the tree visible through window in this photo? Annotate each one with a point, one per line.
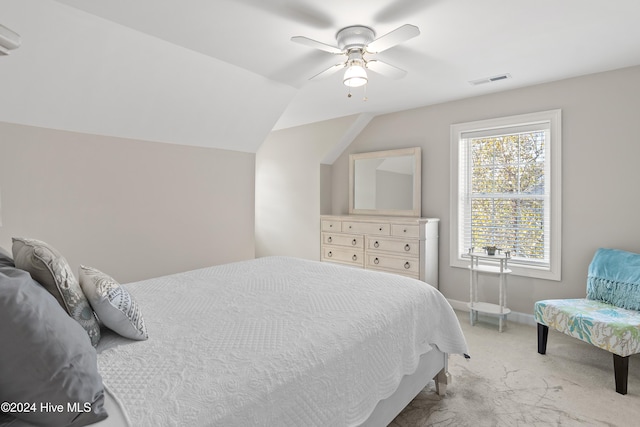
(506, 193)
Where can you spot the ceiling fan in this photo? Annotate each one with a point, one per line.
(355, 42)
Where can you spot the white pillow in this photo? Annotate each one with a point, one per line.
(112, 303)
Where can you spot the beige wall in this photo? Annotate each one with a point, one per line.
(133, 209)
(288, 199)
(601, 172)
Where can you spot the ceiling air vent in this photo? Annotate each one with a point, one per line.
(490, 79)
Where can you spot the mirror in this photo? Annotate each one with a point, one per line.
(386, 182)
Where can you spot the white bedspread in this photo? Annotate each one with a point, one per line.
(275, 341)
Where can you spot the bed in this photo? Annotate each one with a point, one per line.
(277, 341)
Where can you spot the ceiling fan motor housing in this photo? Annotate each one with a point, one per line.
(355, 37)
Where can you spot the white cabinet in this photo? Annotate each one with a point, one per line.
(495, 265)
(401, 245)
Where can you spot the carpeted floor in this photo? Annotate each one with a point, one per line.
(507, 383)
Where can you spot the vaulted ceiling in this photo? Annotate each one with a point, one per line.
(224, 73)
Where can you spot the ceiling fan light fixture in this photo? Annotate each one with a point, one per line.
(355, 41)
(355, 76)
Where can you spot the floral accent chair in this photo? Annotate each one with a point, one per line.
(609, 318)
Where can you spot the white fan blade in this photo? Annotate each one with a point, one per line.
(328, 71)
(397, 36)
(385, 69)
(295, 11)
(401, 10)
(316, 44)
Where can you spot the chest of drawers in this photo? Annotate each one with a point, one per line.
(406, 246)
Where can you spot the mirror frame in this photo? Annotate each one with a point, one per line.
(416, 152)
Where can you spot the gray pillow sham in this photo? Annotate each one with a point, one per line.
(5, 258)
(46, 358)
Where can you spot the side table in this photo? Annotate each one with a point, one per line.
(497, 266)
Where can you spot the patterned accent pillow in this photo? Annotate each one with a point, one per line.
(49, 268)
(115, 307)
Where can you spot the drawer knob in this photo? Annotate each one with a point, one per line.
(329, 254)
(376, 244)
(354, 257)
(330, 239)
(354, 242)
(376, 261)
(404, 231)
(380, 228)
(407, 247)
(407, 265)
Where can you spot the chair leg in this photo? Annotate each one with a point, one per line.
(543, 333)
(621, 371)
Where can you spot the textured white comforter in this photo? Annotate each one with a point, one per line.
(275, 341)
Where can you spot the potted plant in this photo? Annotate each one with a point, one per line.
(491, 250)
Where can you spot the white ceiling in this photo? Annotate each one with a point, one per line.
(224, 73)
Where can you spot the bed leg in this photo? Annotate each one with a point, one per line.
(621, 372)
(442, 379)
(543, 333)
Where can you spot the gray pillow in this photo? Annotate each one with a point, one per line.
(5, 258)
(115, 307)
(49, 268)
(46, 357)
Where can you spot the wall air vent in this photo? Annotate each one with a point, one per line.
(490, 79)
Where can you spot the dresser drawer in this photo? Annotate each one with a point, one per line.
(331, 225)
(400, 247)
(343, 240)
(366, 228)
(343, 255)
(399, 230)
(407, 265)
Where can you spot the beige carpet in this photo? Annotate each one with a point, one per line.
(507, 383)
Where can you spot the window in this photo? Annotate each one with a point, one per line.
(505, 191)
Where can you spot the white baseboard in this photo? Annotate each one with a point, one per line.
(525, 319)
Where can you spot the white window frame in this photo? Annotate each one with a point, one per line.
(553, 178)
